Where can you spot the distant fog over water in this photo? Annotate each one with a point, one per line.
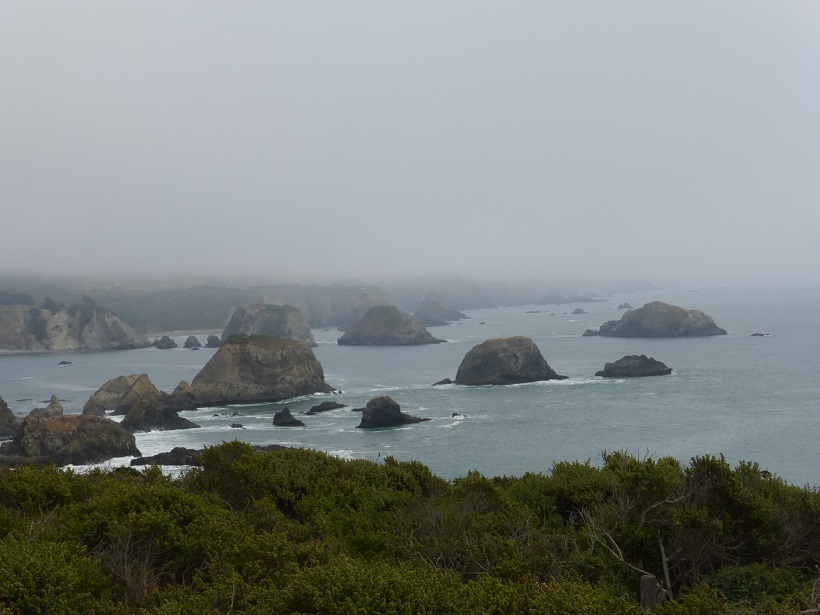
(365, 140)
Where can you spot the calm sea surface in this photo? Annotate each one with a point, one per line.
(750, 398)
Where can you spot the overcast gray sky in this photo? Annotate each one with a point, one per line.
(355, 138)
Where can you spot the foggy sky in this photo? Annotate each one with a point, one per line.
(388, 138)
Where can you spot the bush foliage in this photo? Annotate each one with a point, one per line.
(298, 531)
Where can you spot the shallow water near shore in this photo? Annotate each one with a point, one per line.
(749, 398)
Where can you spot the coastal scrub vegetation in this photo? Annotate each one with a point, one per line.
(299, 531)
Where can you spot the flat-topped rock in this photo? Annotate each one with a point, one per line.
(634, 366)
(387, 325)
(658, 319)
(505, 360)
(254, 369)
(272, 320)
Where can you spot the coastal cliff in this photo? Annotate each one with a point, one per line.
(83, 326)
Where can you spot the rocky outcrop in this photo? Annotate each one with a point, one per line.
(272, 320)
(109, 395)
(84, 326)
(192, 342)
(254, 369)
(146, 408)
(578, 311)
(68, 439)
(435, 311)
(164, 343)
(658, 319)
(178, 456)
(386, 325)
(625, 306)
(54, 408)
(8, 421)
(325, 406)
(634, 366)
(506, 360)
(213, 341)
(384, 412)
(284, 418)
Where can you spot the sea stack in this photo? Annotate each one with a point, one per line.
(387, 325)
(272, 320)
(634, 366)
(254, 369)
(658, 319)
(505, 360)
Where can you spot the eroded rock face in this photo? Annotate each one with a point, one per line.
(69, 439)
(272, 320)
(252, 369)
(505, 360)
(387, 325)
(435, 311)
(108, 396)
(634, 366)
(146, 408)
(658, 319)
(85, 326)
(8, 421)
(384, 412)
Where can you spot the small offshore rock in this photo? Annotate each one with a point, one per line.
(384, 412)
(444, 381)
(164, 343)
(284, 418)
(634, 366)
(192, 342)
(213, 341)
(325, 406)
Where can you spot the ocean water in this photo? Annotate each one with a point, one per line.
(749, 398)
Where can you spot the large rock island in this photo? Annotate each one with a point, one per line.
(254, 369)
(505, 360)
(387, 325)
(272, 320)
(658, 319)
